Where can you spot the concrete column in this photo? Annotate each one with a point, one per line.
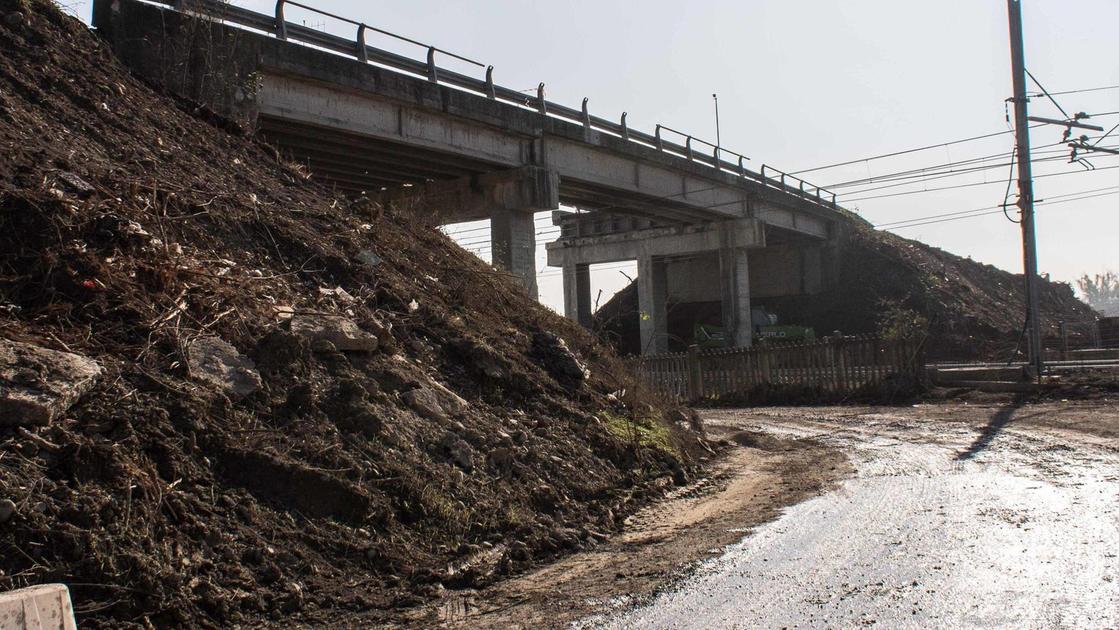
(652, 299)
(513, 240)
(734, 272)
(577, 293)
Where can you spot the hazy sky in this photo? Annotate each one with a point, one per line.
(813, 82)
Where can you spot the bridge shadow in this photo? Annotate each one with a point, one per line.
(995, 424)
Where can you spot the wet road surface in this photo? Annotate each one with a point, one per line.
(995, 524)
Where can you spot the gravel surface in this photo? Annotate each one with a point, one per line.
(973, 517)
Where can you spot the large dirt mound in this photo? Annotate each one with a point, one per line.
(466, 443)
(975, 310)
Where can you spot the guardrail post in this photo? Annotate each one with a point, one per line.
(541, 104)
(625, 128)
(490, 92)
(362, 53)
(586, 114)
(432, 73)
(695, 376)
(688, 146)
(741, 167)
(281, 26)
(717, 165)
(660, 142)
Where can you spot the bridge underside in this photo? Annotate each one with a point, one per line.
(369, 129)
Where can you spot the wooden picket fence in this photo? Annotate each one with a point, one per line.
(833, 365)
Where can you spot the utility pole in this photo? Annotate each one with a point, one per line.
(718, 138)
(1025, 184)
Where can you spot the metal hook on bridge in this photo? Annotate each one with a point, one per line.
(432, 73)
(625, 128)
(586, 114)
(490, 93)
(362, 52)
(281, 26)
(660, 142)
(541, 104)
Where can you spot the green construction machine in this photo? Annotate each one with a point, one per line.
(766, 327)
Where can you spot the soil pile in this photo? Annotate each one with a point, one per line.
(974, 310)
(307, 405)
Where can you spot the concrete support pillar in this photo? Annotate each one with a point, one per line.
(577, 293)
(734, 272)
(652, 299)
(513, 239)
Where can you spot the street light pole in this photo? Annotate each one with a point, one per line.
(718, 138)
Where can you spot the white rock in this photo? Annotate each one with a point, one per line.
(215, 362)
(342, 332)
(38, 385)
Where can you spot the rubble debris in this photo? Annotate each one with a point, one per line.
(558, 358)
(429, 403)
(76, 184)
(7, 510)
(340, 331)
(368, 258)
(460, 452)
(349, 466)
(214, 361)
(38, 385)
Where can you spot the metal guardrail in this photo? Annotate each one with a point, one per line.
(359, 49)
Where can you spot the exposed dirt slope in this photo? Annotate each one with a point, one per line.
(975, 309)
(129, 228)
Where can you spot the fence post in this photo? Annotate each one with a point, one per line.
(695, 377)
(840, 364)
(763, 363)
(1064, 340)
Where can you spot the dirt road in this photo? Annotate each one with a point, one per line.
(996, 516)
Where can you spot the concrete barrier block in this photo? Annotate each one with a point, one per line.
(43, 607)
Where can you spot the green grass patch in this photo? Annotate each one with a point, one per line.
(641, 431)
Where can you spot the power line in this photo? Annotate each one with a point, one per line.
(915, 181)
(907, 151)
(1087, 194)
(944, 144)
(1095, 89)
(934, 170)
(1000, 182)
(996, 210)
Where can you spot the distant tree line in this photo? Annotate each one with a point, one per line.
(1101, 292)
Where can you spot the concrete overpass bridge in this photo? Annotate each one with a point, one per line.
(370, 121)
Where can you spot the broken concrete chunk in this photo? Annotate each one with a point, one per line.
(368, 258)
(337, 293)
(7, 510)
(559, 360)
(460, 452)
(43, 607)
(342, 332)
(75, 184)
(425, 402)
(38, 385)
(214, 361)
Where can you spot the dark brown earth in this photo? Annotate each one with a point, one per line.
(753, 478)
(762, 469)
(974, 310)
(131, 225)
